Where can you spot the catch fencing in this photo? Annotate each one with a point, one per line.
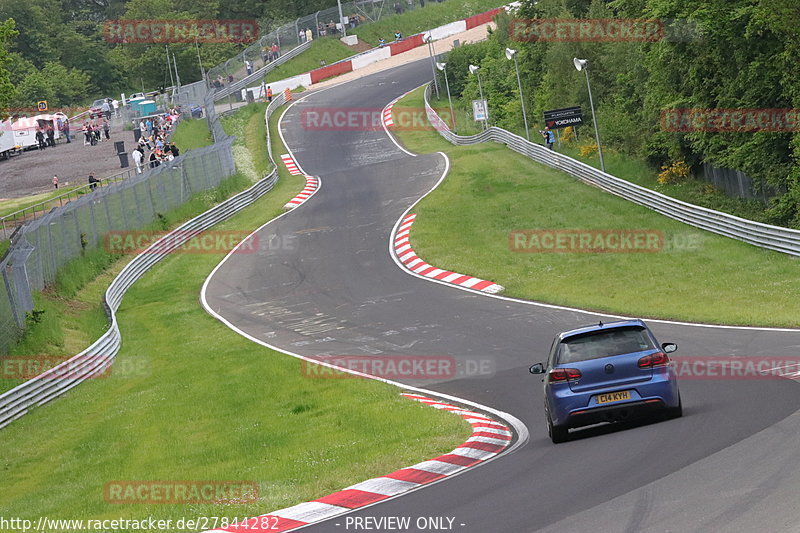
(99, 357)
(776, 238)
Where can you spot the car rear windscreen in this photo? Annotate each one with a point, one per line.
(605, 343)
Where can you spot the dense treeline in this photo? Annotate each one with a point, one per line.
(55, 50)
(726, 54)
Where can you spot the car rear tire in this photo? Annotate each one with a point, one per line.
(558, 434)
(674, 412)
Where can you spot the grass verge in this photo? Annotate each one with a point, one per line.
(491, 191)
(191, 400)
(328, 49)
(694, 190)
(192, 133)
(434, 14)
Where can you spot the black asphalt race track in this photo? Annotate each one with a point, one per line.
(330, 287)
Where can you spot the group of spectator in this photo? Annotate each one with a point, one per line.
(270, 54)
(45, 136)
(399, 8)
(92, 131)
(155, 131)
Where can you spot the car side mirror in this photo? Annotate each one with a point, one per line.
(669, 347)
(538, 368)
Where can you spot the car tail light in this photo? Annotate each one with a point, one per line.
(656, 359)
(559, 375)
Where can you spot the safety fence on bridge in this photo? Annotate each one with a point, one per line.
(776, 238)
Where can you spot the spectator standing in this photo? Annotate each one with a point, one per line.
(55, 181)
(549, 138)
(115, 107)
(40, 139)
(309, 35)
(87, 133)
(107, 129)
(106, 109)
(301, 37)
(276, 51)
(248, 67)
(51, 135)
(138, 157)
(421, 3)
(65, 129)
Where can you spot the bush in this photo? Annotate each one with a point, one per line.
(675, 173)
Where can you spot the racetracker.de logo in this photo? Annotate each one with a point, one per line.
(730, 120)
(736, 368)
(587, 30)
(396, 367)
(159, 242)
(368, 118)
(77, 367)
(180, 31)
(181, 492)
(586, 241)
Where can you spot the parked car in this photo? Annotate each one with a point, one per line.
(96, 111)
(607, 373)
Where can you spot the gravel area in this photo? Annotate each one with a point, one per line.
(32, 171)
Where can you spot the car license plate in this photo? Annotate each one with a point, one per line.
(614, 397)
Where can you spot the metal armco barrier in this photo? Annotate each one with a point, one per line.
(776, 238)
(100, 356)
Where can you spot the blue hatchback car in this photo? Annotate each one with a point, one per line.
(607, 373)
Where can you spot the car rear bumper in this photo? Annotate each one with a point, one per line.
(574, 410)
(615, 413)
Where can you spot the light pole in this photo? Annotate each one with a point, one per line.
(512, 54)
(473, 69)
(202, 70)
(583, 64)
(341, 18)
(443, 68)
(428, 38)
